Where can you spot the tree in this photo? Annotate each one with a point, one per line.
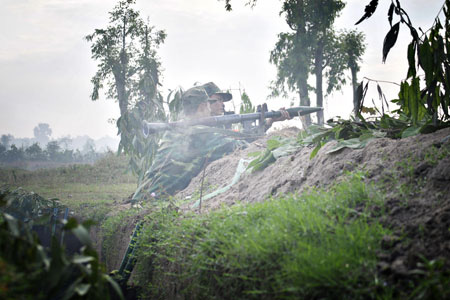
(34, 152)
(323, 14)
(6, 140)
(309, 48)
(128, 63)
(67, 155)
(353, 49)
(2, 152)
(89, 146)
(292, 64)
(42, 133)
(53, 150)
(88, 151)
(65, 142)
(14, 154)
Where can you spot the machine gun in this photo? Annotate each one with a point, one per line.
(151, 128)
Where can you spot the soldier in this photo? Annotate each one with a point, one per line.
(183, 153)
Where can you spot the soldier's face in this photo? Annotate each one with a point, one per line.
(217, 108)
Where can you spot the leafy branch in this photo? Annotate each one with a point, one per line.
(29, 271)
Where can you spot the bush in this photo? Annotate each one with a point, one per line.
(29, 271)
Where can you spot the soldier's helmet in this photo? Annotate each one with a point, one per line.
(212, 89)
(192, 98)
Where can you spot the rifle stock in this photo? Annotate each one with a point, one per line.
(151, 128)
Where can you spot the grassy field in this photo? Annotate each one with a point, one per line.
(88, 190)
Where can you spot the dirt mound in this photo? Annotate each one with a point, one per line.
(413, 173)
(297, 172)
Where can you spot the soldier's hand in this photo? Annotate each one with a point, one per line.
(284, 115)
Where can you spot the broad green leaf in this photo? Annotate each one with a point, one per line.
(316, 150)
(411, 131)
(273, 144)
(359, 96)
(411, 60)
(354, 143)
(390, 13)
(262, 161)
(414, 96)
(390, 40)
(254, 154)
(267, 160)
(366, 135)
(426, 61)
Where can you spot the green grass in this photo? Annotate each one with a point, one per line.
(89, 201)
(109, 170)
(88, 190)
(321, 245)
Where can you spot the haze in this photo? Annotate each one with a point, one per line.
(45, 65)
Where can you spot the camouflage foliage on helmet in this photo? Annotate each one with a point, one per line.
(192, 98)
(210, 88)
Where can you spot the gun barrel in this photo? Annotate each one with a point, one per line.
(294, 111)
(151, 128)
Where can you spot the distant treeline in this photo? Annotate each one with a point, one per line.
(52, 152)
(43, 135)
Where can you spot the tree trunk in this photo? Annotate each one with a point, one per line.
(356, 103)
(302, 66)
(123, 101)
(318, 67)
(304, 101)
(120, 73)
(121, 91)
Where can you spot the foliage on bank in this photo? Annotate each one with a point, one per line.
(316, 245)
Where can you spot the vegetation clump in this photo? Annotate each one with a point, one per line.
(30, 271)
(316, 245)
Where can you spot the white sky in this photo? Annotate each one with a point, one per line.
(45, 65)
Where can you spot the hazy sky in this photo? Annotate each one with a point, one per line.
(45, 65)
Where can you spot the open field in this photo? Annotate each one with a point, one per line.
(88, 190)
